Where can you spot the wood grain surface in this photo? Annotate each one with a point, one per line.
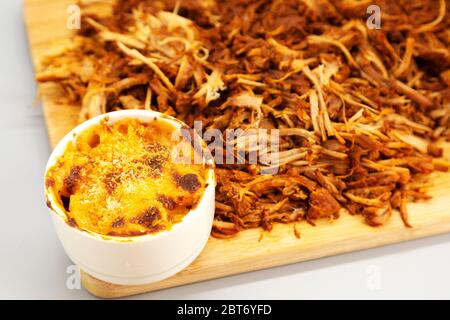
(253, 249)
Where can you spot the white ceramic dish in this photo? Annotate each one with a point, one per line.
(142, 259)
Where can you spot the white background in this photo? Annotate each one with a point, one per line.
(33, 263)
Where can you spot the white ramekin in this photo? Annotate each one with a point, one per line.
(141, 259)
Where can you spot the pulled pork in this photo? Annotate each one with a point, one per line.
(359, 110)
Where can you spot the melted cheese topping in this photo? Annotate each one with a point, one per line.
(121, 179)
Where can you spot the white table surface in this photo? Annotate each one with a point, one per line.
(33, 264)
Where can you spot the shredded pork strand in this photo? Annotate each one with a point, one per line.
(359, 110)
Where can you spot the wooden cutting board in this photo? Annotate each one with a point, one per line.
(252, 249)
